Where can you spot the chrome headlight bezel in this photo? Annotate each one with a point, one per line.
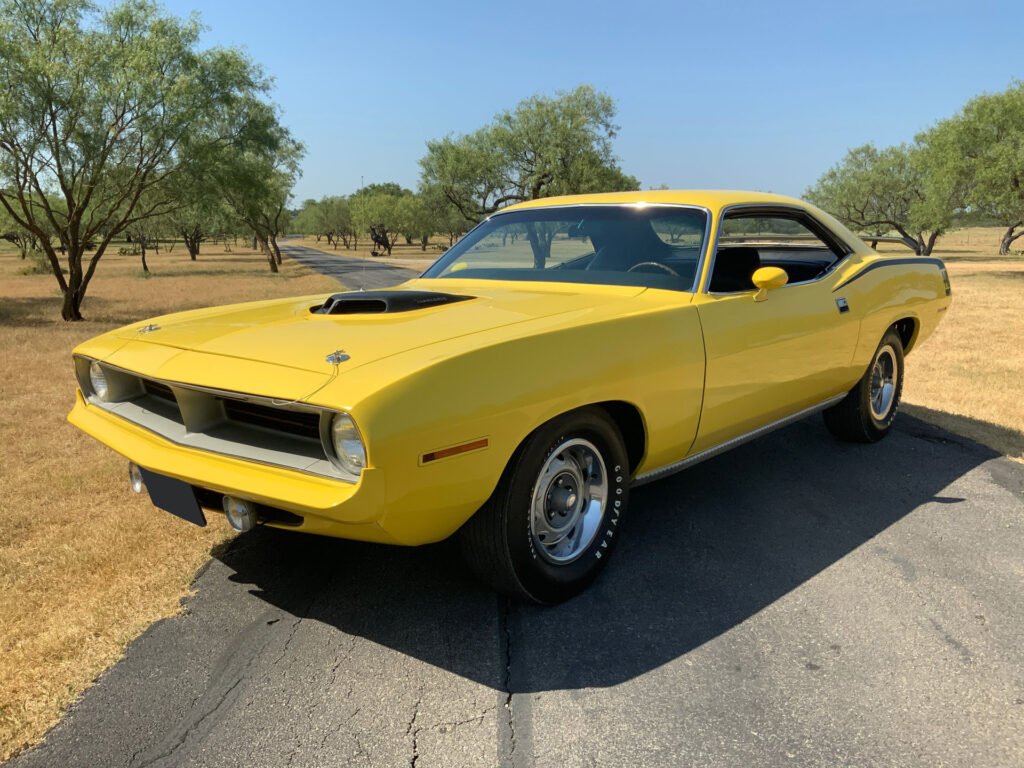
(99, 386)
(344, 444)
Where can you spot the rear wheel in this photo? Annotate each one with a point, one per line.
(868, 411)
(551, 524)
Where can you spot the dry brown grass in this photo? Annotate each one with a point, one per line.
(85, 565)
(969, 376)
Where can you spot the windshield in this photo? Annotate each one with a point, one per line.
(648, 246)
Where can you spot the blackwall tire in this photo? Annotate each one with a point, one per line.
(868, 411)
(553, 521)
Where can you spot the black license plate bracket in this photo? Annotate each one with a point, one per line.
(174, 496)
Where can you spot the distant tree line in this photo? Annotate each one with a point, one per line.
(969, 166)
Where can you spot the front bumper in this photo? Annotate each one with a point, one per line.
(327, 506)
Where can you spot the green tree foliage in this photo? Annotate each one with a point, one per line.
(544, 146)
(101, 111)
(877, 190)
(22, 238)
(254, 174)
(382, 214)
(980, 150)
(439, 215)
(199, 212)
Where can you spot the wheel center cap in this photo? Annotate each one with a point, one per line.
(562, 501)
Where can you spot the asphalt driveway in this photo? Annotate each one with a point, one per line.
(796, 602)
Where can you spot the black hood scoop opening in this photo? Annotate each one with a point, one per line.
(383, 302)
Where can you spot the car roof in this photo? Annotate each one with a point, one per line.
(714, 199)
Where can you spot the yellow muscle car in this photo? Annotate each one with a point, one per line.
(564, 351)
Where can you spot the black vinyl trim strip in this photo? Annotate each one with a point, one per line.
(889, 263)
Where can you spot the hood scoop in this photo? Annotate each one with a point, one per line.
(384, 302)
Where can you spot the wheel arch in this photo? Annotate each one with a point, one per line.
(630, 421)
(907, 328)
(626, 416)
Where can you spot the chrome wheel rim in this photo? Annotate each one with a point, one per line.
(883, 383)
(569, 500)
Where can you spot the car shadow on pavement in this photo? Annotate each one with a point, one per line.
(701, 552)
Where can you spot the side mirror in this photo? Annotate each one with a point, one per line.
(768, 279)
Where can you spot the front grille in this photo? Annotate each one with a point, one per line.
(158, 389)
(298, 423)
(247, 427)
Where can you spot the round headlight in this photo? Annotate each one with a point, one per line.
(98, 381)
(348, 445)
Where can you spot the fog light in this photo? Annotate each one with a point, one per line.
(135, 481)
(241, 514)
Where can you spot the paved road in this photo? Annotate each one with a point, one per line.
(797, 602)
(353, 272)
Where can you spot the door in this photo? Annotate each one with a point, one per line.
(772, 358)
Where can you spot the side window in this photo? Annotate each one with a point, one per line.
(751, 240)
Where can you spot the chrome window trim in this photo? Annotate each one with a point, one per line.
(636, 204)
(735, 442)
(706, 283)
(326, 418)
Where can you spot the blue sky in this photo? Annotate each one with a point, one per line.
(731, 95)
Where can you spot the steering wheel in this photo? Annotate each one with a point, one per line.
(656, 264)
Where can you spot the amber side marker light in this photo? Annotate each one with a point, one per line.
(455, 450)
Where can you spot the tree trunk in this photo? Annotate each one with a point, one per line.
(192, 240)
(540, 244)
(1007, 240)
(276, 250)
(265, 247)
(74, 290)
(71, 310)
(142, 248)
(928, 244)
(423, 242)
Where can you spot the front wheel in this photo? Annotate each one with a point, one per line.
(553, 520)
(868, 411)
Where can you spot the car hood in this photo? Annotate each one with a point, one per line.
(286, 333)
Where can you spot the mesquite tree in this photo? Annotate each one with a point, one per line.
(99, 113)
(873, 190)
(255, 175)
(544, 146)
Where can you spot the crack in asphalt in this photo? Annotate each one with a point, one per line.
(414, 732)
(507, 754)
(219, 700)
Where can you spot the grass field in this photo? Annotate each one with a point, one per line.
(85, 566)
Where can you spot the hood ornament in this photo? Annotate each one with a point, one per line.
(149, 328)
(337, 357)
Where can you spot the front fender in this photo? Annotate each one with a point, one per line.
(503, 388)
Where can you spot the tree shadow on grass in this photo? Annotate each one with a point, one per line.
(701, 553)
(29, 311)
(99, 311)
